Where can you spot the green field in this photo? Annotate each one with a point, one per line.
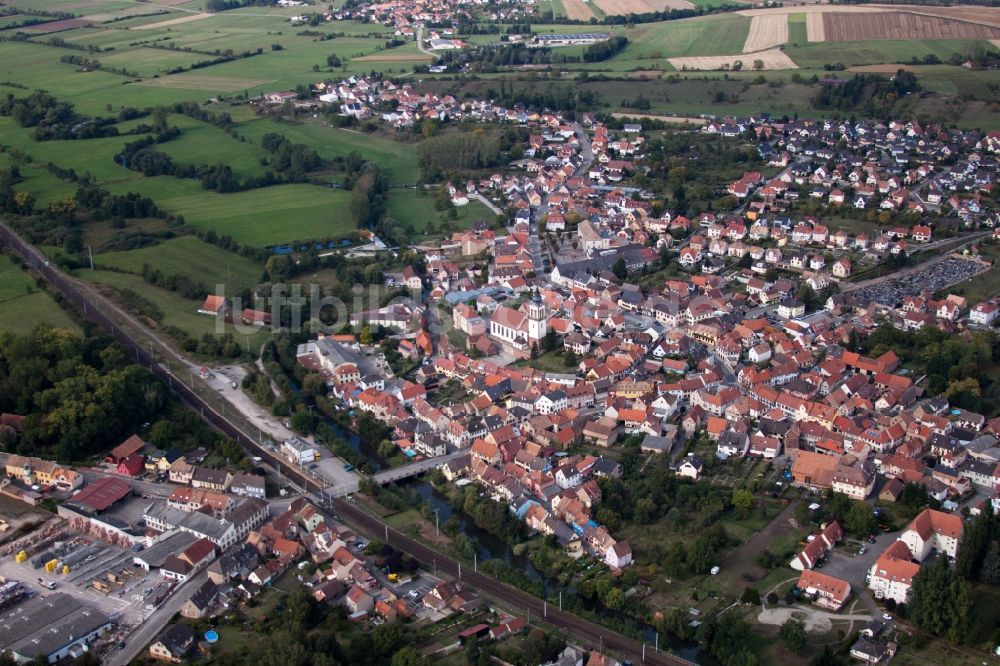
(268, 216)
(192, 258)
(720, 34)
(554, 6)
(817, 54)
(414, 211)
(797, 33)
(396, 160)
(23, 305)
(177, 311)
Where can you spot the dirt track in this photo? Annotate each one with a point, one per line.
(173, 21)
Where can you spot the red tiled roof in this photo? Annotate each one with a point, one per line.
(101, 494)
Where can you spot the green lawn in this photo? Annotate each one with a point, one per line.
(414, 211)
(23, 305)
(192, 258)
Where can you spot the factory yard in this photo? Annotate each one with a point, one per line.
(127, 596)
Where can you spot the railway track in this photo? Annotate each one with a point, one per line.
(590, 634)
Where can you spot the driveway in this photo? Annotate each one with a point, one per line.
(817, 621)
(853, 568)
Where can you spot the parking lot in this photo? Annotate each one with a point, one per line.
(944, 273)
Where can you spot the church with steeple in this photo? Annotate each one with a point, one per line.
(519, 328)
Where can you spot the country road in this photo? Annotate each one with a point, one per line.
(585, 631)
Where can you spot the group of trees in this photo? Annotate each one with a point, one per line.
(290, 162)
(368, 196)
(606, 49)
(181, 284)
(463, 151)
(873, 94)
(567, 98)
(957, 365)
(294, 161)
(39, 110)
(489, 515)
(978, 557)
(81, 394)
(941, 601)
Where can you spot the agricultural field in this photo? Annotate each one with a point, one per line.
(719, 34)
(577, 10)
(766, 32)
(615, 7)
(768, 60)
(900, 26)
(797, 29)
(554, 6)
(817, 54)
(23, 305)
(191, 257)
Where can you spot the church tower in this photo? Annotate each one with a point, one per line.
(538, 318)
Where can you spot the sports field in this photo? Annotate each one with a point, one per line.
(23, 305)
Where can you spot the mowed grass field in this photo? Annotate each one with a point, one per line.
(191, 257)
(720, 34)
(23, 306)
(415, 211)
(263, 217)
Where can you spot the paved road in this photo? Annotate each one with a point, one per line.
(420, 41)
(158, 490)
(534, 243)
(149, 628)
(486, 202)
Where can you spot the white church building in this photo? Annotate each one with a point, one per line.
(521, 327)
